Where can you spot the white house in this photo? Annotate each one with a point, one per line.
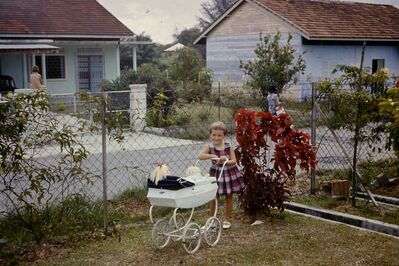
(75, 43)
(330, 32)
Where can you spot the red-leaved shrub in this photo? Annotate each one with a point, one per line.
(266, 174)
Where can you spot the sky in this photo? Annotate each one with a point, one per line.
(158, 18)
(162, 18)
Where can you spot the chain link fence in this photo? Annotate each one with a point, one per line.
(184, 132)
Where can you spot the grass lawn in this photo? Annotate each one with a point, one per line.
(288, 239)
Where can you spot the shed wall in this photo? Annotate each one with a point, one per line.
(235, 38)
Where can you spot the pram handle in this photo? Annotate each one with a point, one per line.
(221, 171)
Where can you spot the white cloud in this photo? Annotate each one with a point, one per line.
(158, 18)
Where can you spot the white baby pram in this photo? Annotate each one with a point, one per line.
(194, 191)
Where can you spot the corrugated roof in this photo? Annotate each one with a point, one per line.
(58, 17)
(335, 19)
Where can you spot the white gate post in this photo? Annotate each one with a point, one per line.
(138, 106)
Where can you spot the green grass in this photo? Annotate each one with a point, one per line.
(287, 240)
(206, 113)
(131, 193)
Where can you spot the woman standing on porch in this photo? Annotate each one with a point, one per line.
(36, 79)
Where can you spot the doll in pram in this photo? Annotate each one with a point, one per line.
(186, 192)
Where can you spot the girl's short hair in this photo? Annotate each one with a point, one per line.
(35, 69)
(219, 125)
(272, 88)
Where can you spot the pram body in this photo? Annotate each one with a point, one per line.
(184, 193)
(203, 191)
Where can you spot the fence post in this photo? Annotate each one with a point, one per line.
(138, 106)
(74, 104)
(313, 138)
(104, 160)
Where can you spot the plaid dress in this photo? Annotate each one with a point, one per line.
(230, 181)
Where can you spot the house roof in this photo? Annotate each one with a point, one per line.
(59, 18)
(175, 47)
(8, 47)
(334, 20)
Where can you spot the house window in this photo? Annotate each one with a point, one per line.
(377, 64)
(55, 66)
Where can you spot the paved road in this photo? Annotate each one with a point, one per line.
(129, 164)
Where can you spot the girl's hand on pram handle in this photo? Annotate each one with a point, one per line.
(220, 160)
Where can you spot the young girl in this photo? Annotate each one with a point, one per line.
(273, 102)
(230, 181)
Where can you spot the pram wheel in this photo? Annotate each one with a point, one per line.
(177, 228)
(192, 238)
(161, 233)
(212, 231)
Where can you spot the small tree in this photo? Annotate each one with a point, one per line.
(29, 185)
(274, 64)
(265, 182)
(188, 73)
(347, 94)
(389, 107)
(353, 98)
(186, 66)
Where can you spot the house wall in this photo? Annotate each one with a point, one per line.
(235, 38)
(321, 60)
(12, 64)
(70, 83)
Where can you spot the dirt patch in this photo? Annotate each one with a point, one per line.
(30, 252)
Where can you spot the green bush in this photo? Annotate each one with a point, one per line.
(60, 107)
(180, 118)
(70, 218)
(158, 114)
(132, 193)
(192, 91)
(377, 173)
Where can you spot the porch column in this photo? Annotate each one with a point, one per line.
(33, 59)
(134, 58)
(25, 70)
(44, 73)
(118, 62)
